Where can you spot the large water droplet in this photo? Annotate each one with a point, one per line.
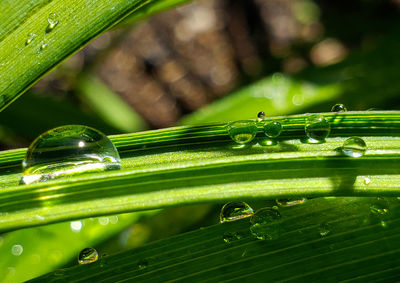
(261, 116)
(242, 131)
(66, 151)
(87, 255)
(338, 108)
(317, 128)
(289, 202)
(52, 20)
(265, 224)
(234, 211)
(31, 37)
(273, 129)
(354, 147)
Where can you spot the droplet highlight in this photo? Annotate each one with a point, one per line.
(31, 37)
(233, 211)
(87, 255)
(265, 224)
(243, 131)
(317, 128)
(354, 147)
(289, 202)
(338, 108)
(261, 116)
(52, 20)
(68, 150)
(273, 129)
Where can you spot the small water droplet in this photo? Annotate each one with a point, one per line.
(58, 153)
(234, 211)
(52, 20)
(273, 129)
(354, 147)
(261, 116)
(143, 263)
(324, 229)
(17, 250)
(378, 209)
(87, 255)
(339, 108)
(289, 202)
(317, 128)
(44, 44)
(367, 181)
(265, 224)
(232, 236)
(31, 37)
(242, 131)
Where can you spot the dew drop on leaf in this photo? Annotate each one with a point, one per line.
(143, 263)
(66, 151)
(317, 128)
(44, 44)
(265, 224)
(273, 129)
(339, 108)
(242, 131)
(31, 37)
(87, 255)
(324, 229)
(234, 211)
(261, 115)
(354, 147)
(52, 20)
(289, 202)
(231, 236)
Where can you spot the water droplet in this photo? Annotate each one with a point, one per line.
(354, 147)
(367, 181)
(234, 211)
(17, 250)
(87, 255)
(242, 131)
(261, 116)
(338, 108)
(31, 37)
(265, 224)
(66, 151)
(289, 202)
(324, 229)
(379, 209)
(230, 237)
(273, 129)
(143, 263)
(317, 128)
(44, 44)
(52, 20)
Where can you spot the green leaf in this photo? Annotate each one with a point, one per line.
(194, 164)
(333, 238)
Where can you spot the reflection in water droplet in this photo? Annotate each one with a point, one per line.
(52, 20)
(234, 211)
(289, 202)
(273, 129)
(242, 131)
(338, 108)
(317, 128)
(57, 153)
(17, 250)
(265, 224)
(31, 37)
(143, 263)
(87, 255)
(354, 147)
(324, 229)
(260, 116)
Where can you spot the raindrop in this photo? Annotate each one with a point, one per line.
(234, 211)
(242, 131)
(143, 263)
(317, 128)
(66, 151)
(87, 255)
(354, 147)
(31, 37)
(338, 108)
(261, 116)
(52, 20)
(273, 129)
(265, 224)
(44, 44)
(289, 202)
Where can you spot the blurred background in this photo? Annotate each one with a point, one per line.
(205, 61)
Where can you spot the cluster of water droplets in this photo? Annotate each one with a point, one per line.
(52, 22)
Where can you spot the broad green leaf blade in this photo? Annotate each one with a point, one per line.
(79, 21)
(334, 239)
(186, 165)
